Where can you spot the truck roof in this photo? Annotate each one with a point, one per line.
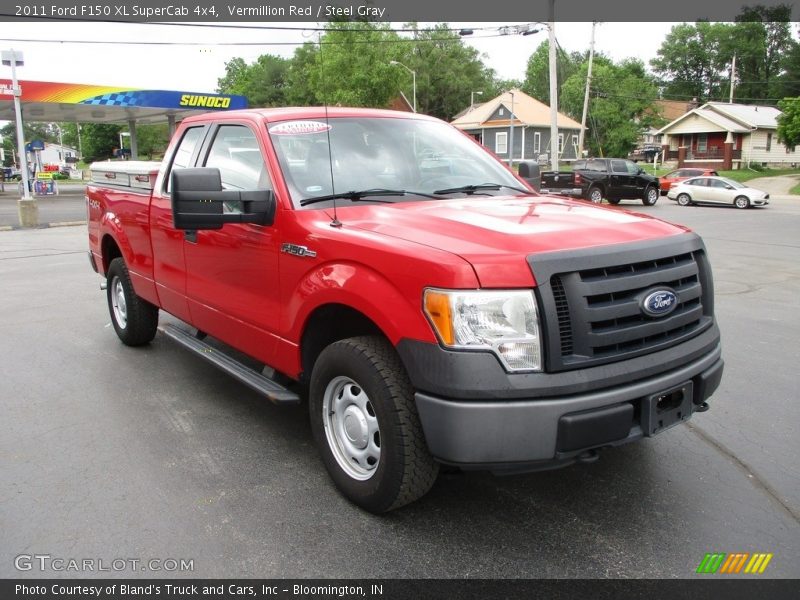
(307, 112)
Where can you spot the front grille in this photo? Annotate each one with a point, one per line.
(591, 300)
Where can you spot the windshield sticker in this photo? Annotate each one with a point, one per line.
(299, 128)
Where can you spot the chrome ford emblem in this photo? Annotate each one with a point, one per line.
(659, 303)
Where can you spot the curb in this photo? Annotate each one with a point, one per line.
(42, 226)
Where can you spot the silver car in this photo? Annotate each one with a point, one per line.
(716, 190)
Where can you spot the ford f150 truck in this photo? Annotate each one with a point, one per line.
(593, 179)
(430, 307)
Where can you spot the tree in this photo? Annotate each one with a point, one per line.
(620, 105)
(774, 41)
(447, 72)
(789, 123)
(152, 140)
(99, 140)
(689, 60)
(263, 83)
(299, 91)
(695, 60)
(537, 74)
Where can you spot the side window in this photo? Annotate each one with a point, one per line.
(596, 165)
(185, 151)
(501, 143)
(618, 166)
(633, 169)
(235, 152)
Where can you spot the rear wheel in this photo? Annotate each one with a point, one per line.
(684, 199)
(135, 320)
(650, 196)
(595, 195)
(741, 202)
(365, 423)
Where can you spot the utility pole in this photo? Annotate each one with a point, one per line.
(26, 206)
(511, 141)
(553, 91)
(733, 78)
(582, 137)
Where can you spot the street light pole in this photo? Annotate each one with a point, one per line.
(582, 137)
(13, 59)
(511, 121)
(553, 91)
(472, 98)
(413, 79)
(27, 210)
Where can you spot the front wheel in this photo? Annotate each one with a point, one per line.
(365, 423)
(650, 196)
(684, 199)
(741, 202)
(135, 320)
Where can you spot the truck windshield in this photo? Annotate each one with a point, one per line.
(322, 158)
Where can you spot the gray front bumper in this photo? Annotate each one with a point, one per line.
(510, 434)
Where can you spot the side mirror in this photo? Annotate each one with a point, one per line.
(530, 171)
(199, 202)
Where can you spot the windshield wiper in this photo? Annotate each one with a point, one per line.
(359, 196)
(471, 189)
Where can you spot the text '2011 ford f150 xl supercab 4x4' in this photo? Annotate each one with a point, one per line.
(430, 306)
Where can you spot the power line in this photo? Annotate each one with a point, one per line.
(324, 43)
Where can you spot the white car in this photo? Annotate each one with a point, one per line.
(716, 190)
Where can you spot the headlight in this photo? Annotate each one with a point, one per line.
(503, 321)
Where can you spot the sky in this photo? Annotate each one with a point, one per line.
(197, 67)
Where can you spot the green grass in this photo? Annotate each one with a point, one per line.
(742, 175)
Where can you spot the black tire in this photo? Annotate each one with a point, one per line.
(741, 202)
(135, 320)
(613, 200)
(595, 194)
(650, 196)
(365, 377)
(684, 199)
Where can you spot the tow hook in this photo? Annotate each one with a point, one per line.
(587, 457)
(702, 407)
(104, 284)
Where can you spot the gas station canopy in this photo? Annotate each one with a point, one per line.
(71, 102)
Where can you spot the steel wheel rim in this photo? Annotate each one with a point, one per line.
(118, 303)
(683, 199)
(741, 202)
(596, 197)
(651, 196)
(351, 428)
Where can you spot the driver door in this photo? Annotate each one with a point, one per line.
(232, 272)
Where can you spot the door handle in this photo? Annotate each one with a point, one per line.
(190, 236)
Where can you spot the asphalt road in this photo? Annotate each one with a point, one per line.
(110, 452)
(68, 206)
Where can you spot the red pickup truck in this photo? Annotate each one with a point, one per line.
(430, 306)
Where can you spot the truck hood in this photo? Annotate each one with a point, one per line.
(496, 234)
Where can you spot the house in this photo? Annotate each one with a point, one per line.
(666, 110)
(54, 154)
(491, 124)
(726, 136)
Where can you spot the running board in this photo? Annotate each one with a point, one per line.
(274, 392)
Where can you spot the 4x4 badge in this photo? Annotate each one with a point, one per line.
(296, 250)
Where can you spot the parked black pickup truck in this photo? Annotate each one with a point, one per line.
(593, 179)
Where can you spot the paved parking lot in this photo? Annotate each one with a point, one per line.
(110, 452)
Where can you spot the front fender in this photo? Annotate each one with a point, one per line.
(397, 312)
